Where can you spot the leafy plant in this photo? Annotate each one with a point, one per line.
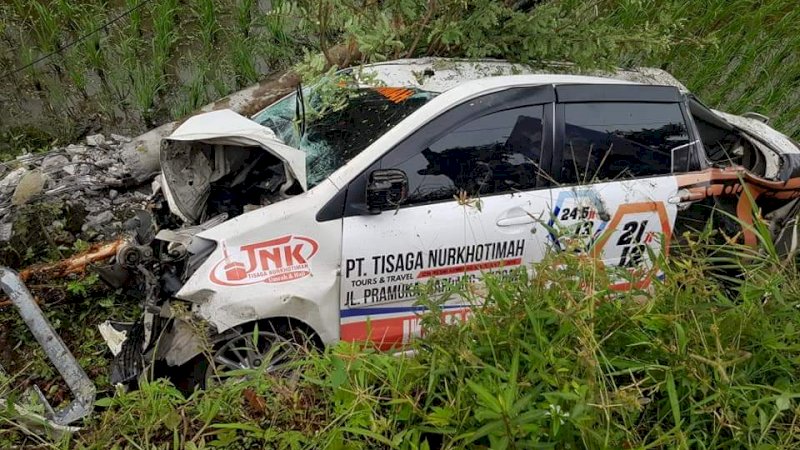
(81, 286)
(206, 13)
(552, 360)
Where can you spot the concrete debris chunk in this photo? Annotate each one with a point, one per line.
(105, 163)
(101, 219)
(74, 149)
(54, 163)
(95, 140)
(6, 231)
(31, 185)
(9, 183)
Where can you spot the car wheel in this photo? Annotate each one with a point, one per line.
(262, 351)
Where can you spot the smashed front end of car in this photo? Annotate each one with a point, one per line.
(215, 166)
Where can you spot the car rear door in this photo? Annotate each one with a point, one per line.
(473, 177)
(618, 148)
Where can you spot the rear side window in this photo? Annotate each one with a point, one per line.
(620, 140)
(492, 154)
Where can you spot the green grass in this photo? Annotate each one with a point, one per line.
(206, 13)
(737, 55)
(101, 79)
(555, 361)
(753, 64)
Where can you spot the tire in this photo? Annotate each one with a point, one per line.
(260, 350)
(243, 352)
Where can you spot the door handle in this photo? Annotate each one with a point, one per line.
(515, 220)
(683, 198)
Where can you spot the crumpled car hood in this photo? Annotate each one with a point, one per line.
(186, 174)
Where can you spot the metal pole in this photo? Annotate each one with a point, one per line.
(83, 390)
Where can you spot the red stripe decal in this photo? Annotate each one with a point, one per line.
(469, 267)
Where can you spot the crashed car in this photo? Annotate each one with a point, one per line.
(319, 222)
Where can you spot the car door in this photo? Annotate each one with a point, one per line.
(473, 174)
(618, 149)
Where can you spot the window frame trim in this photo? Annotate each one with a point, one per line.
(561, 127)
(454, 117)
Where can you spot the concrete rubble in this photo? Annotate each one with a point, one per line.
(90, 177)
(106, 176)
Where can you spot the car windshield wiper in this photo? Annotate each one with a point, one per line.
(300, 109)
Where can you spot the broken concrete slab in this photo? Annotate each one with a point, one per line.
(95, 140)
(11, 180)
(119, 138)
(54, 163)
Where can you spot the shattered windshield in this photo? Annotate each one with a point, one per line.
(334, 135)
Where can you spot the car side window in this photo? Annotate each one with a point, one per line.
(607, 141)
(492, 154)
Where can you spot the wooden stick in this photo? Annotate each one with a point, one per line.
(74, 264)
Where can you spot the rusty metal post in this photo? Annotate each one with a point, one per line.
(83, 390)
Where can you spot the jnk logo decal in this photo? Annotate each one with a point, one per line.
(282, 259)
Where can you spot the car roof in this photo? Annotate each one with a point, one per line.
(489, 84)
(442, 74)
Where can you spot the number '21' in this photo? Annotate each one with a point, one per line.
(630, 240)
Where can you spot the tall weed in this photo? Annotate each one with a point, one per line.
(554, 359)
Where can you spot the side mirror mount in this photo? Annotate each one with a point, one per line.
(387, 188)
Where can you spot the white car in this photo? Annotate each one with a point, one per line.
(322, 221)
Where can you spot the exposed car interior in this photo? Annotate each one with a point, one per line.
(724, 145)
(217, 179)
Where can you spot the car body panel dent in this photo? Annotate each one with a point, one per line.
(310, 297)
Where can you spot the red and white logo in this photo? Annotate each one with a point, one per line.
(274, 261)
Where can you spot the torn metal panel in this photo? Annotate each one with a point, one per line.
(229, 128)
(190, 169)
(82, 388)
(760, 130)
(180, 344)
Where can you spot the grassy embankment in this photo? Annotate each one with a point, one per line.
(754, 64)
(554, 361)
(162, 60)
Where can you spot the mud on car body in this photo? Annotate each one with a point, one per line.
(315, 222)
